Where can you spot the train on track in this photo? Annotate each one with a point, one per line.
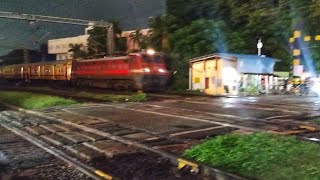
(136, 71)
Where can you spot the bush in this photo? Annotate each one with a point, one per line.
(32, 100)
(137, 97)
(252, 90)
(316, 121)
(180, 83)
(261, 156)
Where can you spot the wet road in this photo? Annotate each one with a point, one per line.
(172, 115)
(162, 124)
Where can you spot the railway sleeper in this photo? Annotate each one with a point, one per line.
(86, 153)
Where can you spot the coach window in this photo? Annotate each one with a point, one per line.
(157, 59)
(146, 58)
(133, 59)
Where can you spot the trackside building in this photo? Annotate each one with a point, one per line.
(226, 74)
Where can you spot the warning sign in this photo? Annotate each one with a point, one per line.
(196, 80)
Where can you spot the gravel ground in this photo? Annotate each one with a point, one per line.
(141, 166)
(19, 159)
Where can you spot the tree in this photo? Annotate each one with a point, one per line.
(78, 53)
(234, 26)
(44, 51)
(247, 22)
(120, 42)
(161, 27)
(136, 38)
(16, 56)
(97, 42)
(201, 37)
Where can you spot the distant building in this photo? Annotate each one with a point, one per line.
(225, 74)
(60, 47)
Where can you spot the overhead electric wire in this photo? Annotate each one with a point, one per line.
(35, 31)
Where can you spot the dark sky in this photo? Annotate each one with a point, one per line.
(17, 34)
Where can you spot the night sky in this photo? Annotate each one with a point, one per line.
(18, 34)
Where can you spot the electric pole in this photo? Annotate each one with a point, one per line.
(259, 46)
(25, 55)
(110, 40)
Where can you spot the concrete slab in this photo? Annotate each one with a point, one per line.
(125, 132)
(112, 148)
(57, 140)
(75, 137)
(86, 153)
(146, 121)
(139, 136)
(53, 128)
(92, 136)
(37, 130)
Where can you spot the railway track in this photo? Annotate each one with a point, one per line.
(89, 138)
(214, 122)
(13, 122)
(108, 143)
(20, 159)
(277, 124)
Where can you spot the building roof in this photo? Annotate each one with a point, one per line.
(206, 57)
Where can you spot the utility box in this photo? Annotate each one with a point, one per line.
(214, 75)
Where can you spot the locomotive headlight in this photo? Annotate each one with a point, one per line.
(146, 70)
(161, 70)
(151, 52)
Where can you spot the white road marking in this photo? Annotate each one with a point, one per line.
(244, 106)
(276, 117)
(182, 117)
(203, 112)
(193, 131)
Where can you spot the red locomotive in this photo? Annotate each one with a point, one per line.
(139, 71)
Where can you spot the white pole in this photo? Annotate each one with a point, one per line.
(259, 46)
(190, 78)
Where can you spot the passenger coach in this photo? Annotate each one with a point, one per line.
(137, 71)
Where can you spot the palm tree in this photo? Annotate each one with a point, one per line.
(77, 51)
(136, 38)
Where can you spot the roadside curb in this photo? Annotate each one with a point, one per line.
(181, 163)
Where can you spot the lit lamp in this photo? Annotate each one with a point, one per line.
(151, 52)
